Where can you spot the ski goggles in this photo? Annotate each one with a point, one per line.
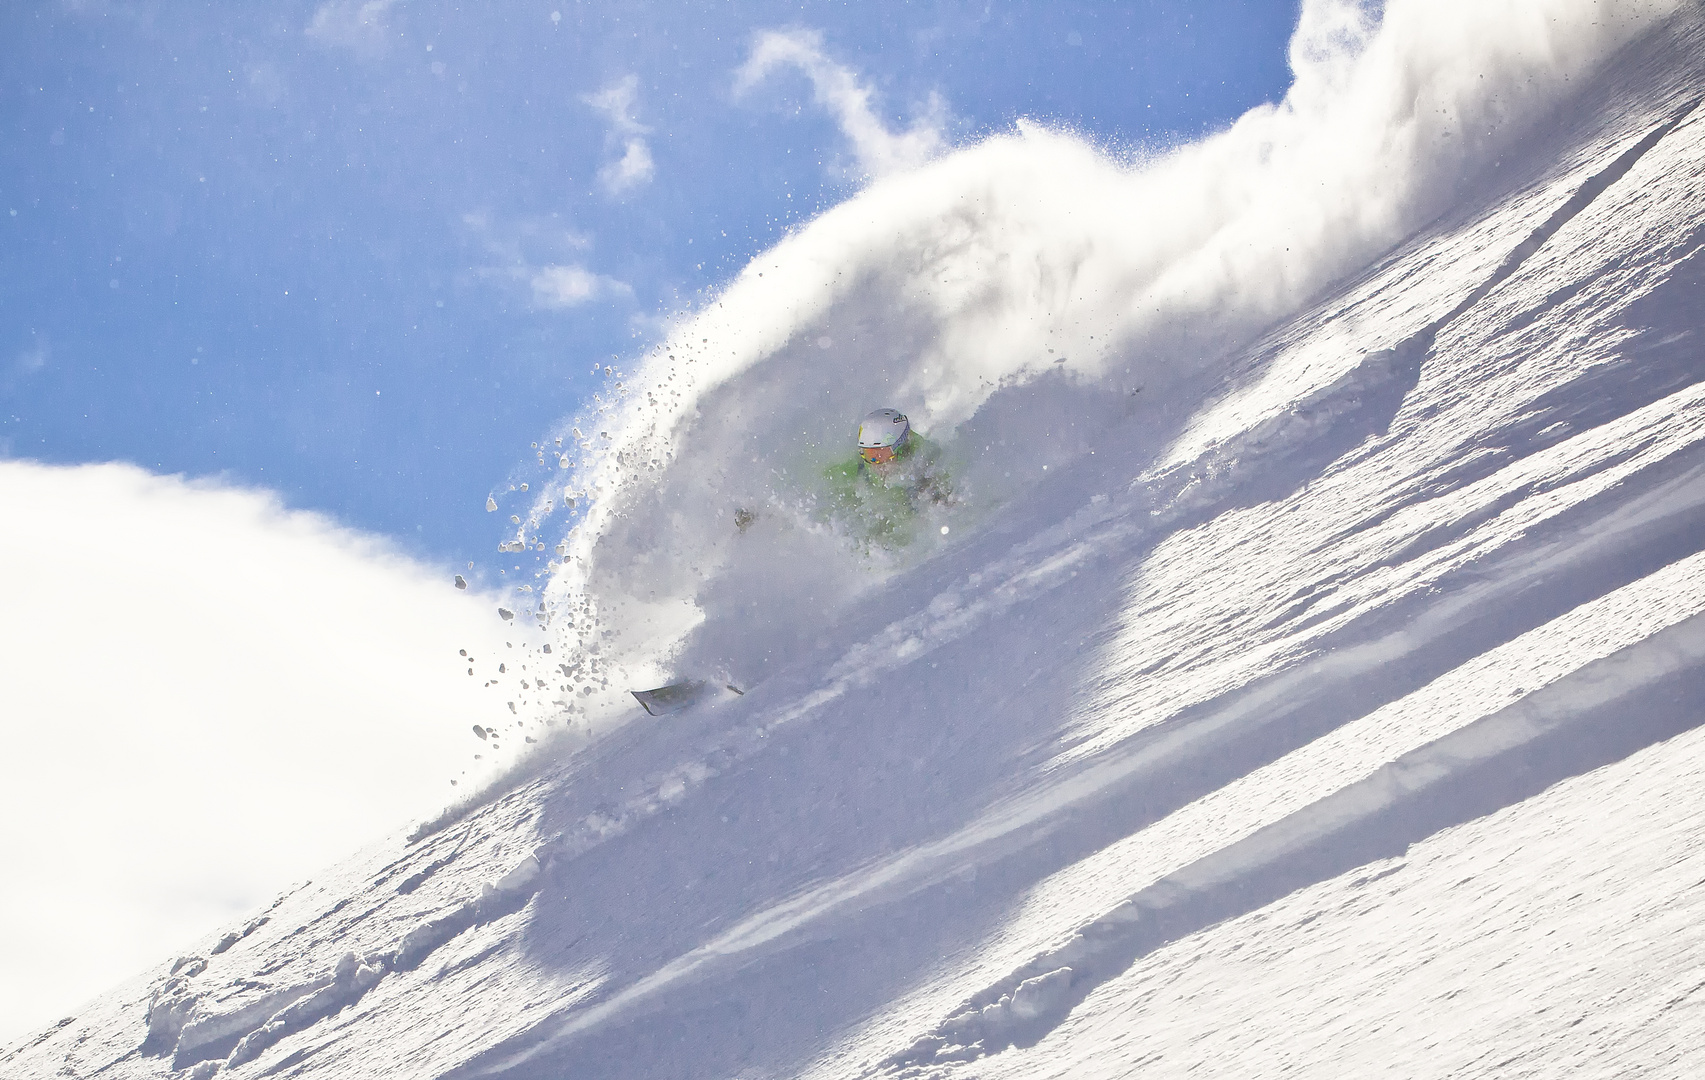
(878, 455)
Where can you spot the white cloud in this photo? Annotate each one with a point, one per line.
(561, 286)
(539, 256)
(618, 102)
(203, 698)
(32, 359)
(510, 241)
(266, 80)
(352, 24)
(837, 88)
(632, 169)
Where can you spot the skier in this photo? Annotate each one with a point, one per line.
(896, 475)
(878, 496)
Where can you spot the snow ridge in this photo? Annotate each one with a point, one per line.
(185, 1024)
(1583, 719)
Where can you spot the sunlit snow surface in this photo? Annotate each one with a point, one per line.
(1352, 727)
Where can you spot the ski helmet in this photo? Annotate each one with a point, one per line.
(882, 435)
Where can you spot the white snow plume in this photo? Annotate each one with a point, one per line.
(838, 89)
(1012, 297)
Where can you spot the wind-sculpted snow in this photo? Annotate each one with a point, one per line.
(1401, 788)
(1300, 667)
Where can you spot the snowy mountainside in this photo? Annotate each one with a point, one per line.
(1016, 299)
(1348, 721)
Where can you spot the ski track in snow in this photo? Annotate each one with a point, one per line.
(1386, 675)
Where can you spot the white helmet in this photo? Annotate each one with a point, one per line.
(882, 435)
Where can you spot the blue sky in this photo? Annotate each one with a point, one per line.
(364, 253)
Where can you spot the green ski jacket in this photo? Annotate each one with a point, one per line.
(880, 504)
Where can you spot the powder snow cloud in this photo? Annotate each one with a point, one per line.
(943, 284)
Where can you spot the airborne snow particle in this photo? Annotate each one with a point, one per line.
(505, 614)
(461, 583)
(490, 504)
(480, 731)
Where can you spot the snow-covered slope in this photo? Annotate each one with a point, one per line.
(1343, 719)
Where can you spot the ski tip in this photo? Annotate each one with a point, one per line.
(668, 699)
(678, 695)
